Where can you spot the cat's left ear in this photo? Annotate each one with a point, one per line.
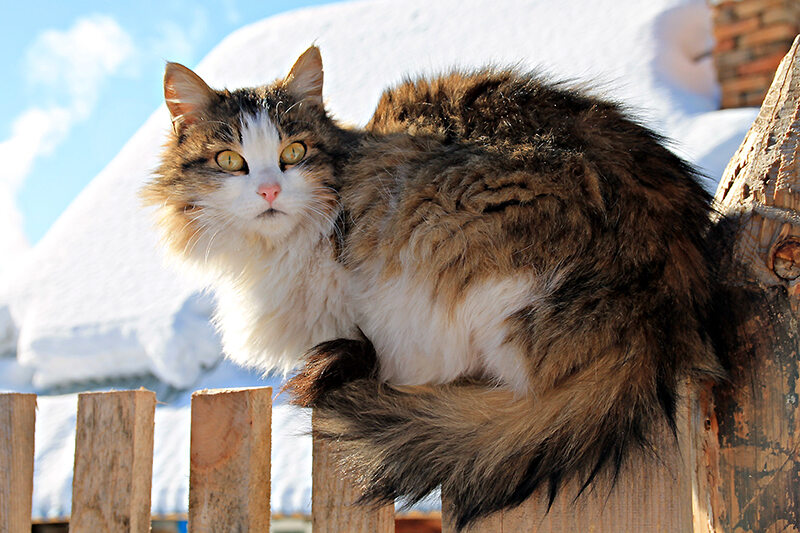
(305, 78)
(186, 94)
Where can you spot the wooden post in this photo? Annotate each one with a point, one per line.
(747, 433)
(17, 420)
(651, 496)
(333, 497)
(229, 477)
(113, 462)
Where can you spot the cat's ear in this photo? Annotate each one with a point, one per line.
(305, 78)
(186, 94)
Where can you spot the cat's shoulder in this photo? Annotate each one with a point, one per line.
(486, 102)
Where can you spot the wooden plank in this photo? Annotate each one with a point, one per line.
(333, 497)
(229, 479)
(747, 436)
(651, 496)
(113, 462)
(17, 421)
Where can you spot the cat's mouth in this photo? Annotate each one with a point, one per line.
(270, 213)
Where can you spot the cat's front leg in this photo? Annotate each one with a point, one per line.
(329, 365)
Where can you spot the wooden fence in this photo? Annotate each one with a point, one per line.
(229, 478)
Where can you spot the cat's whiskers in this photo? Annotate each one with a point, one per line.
(207, 220)
(187, 249)
(281, 114)
(330, 224)
(189, 221)
(325, 221)
(231, 131)
(320, 222)
(226, 224)
(192, 218)
(333, 197)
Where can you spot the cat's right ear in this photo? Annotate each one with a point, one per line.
(305, 78)
(186, 94)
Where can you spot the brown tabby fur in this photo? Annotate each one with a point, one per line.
(503, 173)
(456, 181)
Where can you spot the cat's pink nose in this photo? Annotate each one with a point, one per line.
(269, 191)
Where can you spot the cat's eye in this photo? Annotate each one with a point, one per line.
(293, 154)
(230, 161)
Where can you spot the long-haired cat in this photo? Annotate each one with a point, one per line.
(507, 276)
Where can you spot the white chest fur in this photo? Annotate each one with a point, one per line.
(273, 312)
(421, 339)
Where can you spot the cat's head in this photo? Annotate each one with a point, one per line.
(247, 170)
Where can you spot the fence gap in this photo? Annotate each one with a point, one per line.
(333, 497)
(113, 462)
(229, 479)
(17, 421)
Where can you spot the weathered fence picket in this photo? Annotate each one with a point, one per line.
(333, 497)
(17, 419)
(229, 479)
(113, 462)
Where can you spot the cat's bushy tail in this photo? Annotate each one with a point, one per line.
(487, 448)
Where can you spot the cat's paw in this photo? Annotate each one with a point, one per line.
(329, 365)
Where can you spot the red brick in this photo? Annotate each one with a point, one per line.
(735, 29)
(772, 33)
(733, 58)
(731, 101)
(724, 45)
(776, 16)
(722, 15)
(749, 8)
(754, 99)
(768, 49)
(765, 65)
(742, 99)
(747, 83)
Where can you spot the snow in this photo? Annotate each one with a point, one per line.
(94, 300)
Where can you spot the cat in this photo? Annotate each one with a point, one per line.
(498, 284)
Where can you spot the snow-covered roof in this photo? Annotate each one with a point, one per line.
(94, 300)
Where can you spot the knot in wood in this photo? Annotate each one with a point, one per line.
(786, 259)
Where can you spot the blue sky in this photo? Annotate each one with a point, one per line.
(80, 77)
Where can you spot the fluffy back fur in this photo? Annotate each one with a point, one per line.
(497, 174)
(509, 274)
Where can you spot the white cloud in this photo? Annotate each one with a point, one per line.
(79, 58)
(73, 64)
(35, 132)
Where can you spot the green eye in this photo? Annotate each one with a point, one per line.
(230, 161)
(293, 154)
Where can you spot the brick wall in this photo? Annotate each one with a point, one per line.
(752, 36)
